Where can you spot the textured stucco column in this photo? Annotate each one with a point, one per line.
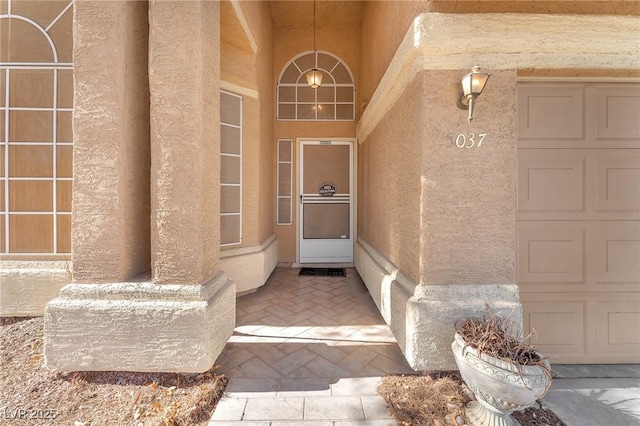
(467, 223)
(184, 81)
(184, 74)
(180, 319)
(110, 221)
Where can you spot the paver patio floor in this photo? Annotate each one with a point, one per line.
(308, 348)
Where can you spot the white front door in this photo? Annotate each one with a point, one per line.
(326, 201)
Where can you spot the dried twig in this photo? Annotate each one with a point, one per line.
(493, 336)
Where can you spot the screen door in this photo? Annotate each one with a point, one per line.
(326, 201)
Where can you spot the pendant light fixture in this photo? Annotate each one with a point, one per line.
(314, 76)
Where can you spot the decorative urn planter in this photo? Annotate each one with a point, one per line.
(500, 387)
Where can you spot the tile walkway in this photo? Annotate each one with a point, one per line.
(308, 350)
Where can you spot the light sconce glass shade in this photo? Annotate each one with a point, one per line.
(472, 86)
(314, 78)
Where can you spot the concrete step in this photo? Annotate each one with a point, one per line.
(302, 409)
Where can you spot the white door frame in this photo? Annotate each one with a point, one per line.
(352, 142)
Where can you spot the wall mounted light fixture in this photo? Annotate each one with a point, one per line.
(472, 86)
(314, 75)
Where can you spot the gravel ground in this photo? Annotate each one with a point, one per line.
(33, 395)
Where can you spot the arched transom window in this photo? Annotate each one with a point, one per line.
(332, 101)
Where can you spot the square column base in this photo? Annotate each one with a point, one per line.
(434, 310)
(139, 326)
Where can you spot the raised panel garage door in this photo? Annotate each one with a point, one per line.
(578, 219)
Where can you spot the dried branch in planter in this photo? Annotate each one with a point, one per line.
(493, 336)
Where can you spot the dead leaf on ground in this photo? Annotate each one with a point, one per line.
(107, 397)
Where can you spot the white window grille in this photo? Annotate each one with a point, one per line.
(36, 140)
(334, 100)
(284, 203)
(230, 169)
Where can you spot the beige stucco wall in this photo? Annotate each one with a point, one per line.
(266, 194)
(249, 73)
(110, 225)
(389, 164)
(288, 43)
(468, 195)
(429, 206)
(617, 7)
(384, 25)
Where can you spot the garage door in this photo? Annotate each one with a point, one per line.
(578, 219)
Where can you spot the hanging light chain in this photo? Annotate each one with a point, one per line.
(314, 26)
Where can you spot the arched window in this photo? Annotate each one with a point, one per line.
(36, 137)
(334, 100)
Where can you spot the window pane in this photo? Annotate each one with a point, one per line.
(341, 75)
(284, 150)
(306, 62)
(290, 75)
(326, 112)
(65, 89)
(64, 233)
(30, 161)
(230, 109)
(306, 94)
(344, 94)
(284, 178)
(284, 211)
(326, 94)
(306, 112)
(2, 237)
(286, 112)
(64, 162)
(30, 126)
(230, 199)
(31, 88)
(344, 112)
(229, 229)
(326, 62)
(2, 87)
(230, 140)
(230, 169)
(65, 129)
(326, 221)
(30, 233)
(287, 93)
(31, 196)
(63, 196)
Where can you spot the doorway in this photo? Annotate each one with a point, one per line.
(326, 232)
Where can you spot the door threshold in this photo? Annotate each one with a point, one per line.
(296, 265)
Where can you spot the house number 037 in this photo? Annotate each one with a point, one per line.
(471, 140)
